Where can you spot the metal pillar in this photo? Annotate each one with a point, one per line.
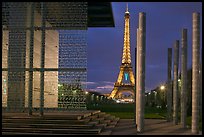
(16, 56)
(141, 71)
(30, 97)
(200, 77)
(175, 85)
(42, 60)
(135, 87)
(195, 72)
(183, 77)
(169, 88)
(136, 79)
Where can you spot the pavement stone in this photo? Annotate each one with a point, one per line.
(152, 127)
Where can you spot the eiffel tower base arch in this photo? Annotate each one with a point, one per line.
(117, 91)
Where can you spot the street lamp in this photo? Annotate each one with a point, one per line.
(92, 97)
(162, 87)
(148, 96)
(155, 93)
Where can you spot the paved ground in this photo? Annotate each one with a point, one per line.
(124, 127)
(127, 127)
(152, 127)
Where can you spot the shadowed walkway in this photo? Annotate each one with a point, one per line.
(152, 127)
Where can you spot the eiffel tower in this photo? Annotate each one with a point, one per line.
(126, 80)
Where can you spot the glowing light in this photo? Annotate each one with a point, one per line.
(86, 92)
(179, 80)
(117, 101)
(162, 87)
(126, 76)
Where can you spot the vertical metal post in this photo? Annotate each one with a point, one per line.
(183, 77)
(136, 80)
(135, 87)
(42, 60)
(141, 72)
(169, 86)
(175, 85)
(30, 97)
(195, 72)
(200, 77)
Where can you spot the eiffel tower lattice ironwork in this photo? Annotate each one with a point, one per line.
(126, 80)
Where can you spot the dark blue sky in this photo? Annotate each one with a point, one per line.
(164, 22)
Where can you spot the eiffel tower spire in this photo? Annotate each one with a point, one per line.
(127, 9)
(126, 58)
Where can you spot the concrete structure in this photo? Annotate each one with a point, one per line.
(141, 48)
(30, 48)
(195, 71)
(175, 82)
(19, 90)
(183, 77)
(169, 85)
(126, 80)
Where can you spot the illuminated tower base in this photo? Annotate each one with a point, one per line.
(125, 81)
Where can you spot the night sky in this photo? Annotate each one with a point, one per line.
(164, 22)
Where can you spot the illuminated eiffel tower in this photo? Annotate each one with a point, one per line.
(126, 80)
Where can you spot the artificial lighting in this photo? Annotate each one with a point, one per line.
(86, 92)
(179, 80)
(162, 87)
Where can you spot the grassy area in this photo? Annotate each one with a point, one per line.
(130, 115)
(123, 115)
(126, 111)
(112, 107)
(154, 116)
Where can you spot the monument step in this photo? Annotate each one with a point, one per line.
(106, 121)
(102, 126)
(101, 114)
(53, 121)
(51, 126)
(92, 117)
(72, 117)
(18, 133)
(106, 132)
(110, 117)
(55, 131)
